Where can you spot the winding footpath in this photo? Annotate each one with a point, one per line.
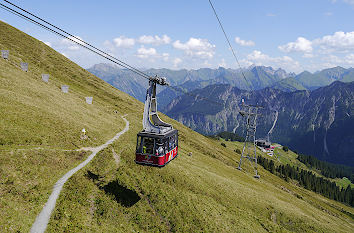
(42, 219)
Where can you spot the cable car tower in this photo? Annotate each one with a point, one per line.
(157, 143)
(250, 112)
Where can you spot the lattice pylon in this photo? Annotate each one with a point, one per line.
(249, 151)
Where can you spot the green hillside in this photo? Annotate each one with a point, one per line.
(40, 132)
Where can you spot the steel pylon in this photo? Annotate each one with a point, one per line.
(250, 113)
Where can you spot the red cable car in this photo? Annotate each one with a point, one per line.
(157, 143)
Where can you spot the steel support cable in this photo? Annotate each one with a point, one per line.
(100, 53)
(55, 32)
(228, 41)
(234, 54)
(76, 38)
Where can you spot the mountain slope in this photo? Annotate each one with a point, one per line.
(325, 77)
(202, 192)
(123, 79)
(288, 85)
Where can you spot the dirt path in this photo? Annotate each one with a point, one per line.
(42, 219)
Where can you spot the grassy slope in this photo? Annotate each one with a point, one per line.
(34, 114)
(202, 192)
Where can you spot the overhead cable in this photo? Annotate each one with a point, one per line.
(86, 45)
(228, 41)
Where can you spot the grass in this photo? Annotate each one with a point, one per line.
(344, 182)
(199, 193)
(26, 179)
(38, 123)
(202, 192)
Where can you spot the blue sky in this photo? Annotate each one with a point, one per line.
(294, 35)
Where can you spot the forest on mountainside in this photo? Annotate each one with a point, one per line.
(328, 170)
(310, 181)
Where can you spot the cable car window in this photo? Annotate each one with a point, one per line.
(148, 145)
(172, 142)
(139, 145)
(161, 147)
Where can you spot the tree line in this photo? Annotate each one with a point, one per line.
(310, 181)
(328, 169)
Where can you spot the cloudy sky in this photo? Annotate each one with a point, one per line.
(294, 35)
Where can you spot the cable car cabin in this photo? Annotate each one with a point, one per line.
(156, 149)
(157, 143)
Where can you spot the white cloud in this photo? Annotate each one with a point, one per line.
(72, 42)
(165, 56)
(124, 42)
(74, 47)
(308, 55)
(350, 58)
(327, 51)
(176, 62)
(154, 40)
(152, 54)
(270, 15)
(146, 53)
(196, 47)
(335, 60)
(332, 59)
(338, 42)
(285, 62)
(300, 45)
(241, 42)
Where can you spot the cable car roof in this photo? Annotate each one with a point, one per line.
(155, 135)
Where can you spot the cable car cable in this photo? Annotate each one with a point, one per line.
(234, 54)
(77, 38)
(228, 41)
(121, 63)
(92, 49)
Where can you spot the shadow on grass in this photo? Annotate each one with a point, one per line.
(122, 195)
(92, 176)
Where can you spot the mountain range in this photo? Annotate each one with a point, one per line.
(318, 122)
(251, 78)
